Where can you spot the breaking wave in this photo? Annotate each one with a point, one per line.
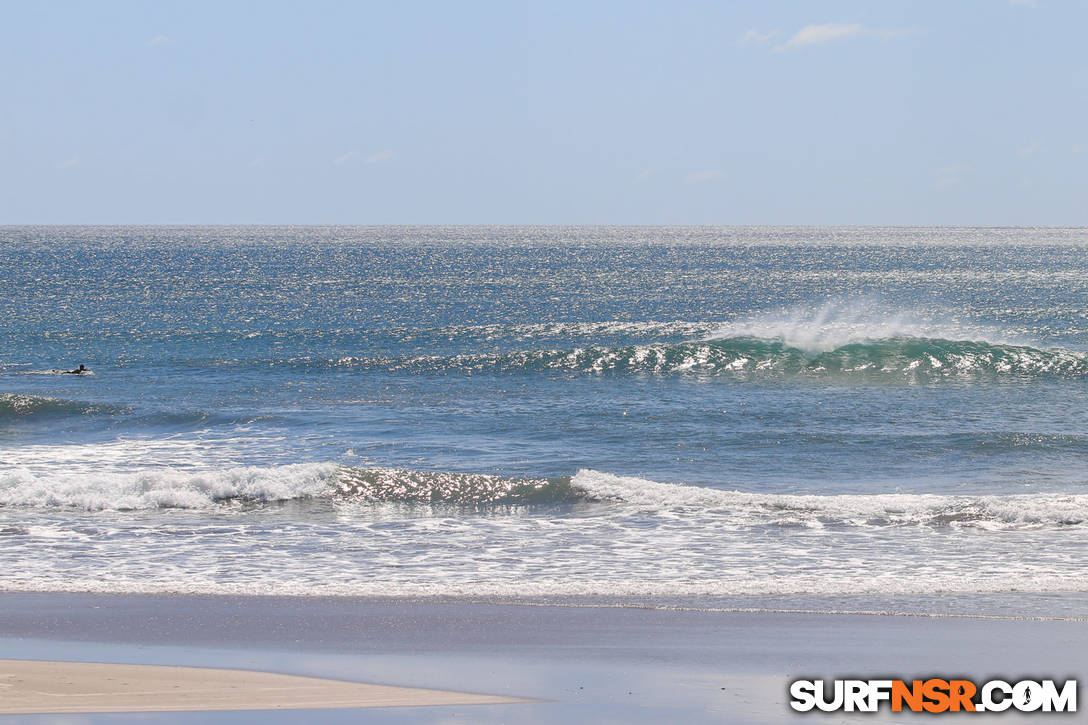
(340, 484)
(165, 488)
(741, 357)
(863, 510)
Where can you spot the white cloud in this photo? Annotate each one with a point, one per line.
(341, 160)
(1080, 148)
(1030, 149)
(68, 163)
(823, 33)
(754, 37)
(701, 177)
(379, 157)
(157, 41)
(643, 176)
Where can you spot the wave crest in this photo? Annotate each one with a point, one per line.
(992, 512)
(171, 488)
(174, 488)
(165, 488)
(909, 358)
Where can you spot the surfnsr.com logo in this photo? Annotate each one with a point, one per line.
(933, 695)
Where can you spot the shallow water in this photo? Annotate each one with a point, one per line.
(536, 412)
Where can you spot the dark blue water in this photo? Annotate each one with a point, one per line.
(544, 411)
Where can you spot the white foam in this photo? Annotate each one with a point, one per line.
(816, 511)
(163, 488)
(655, 539)
(840, 322)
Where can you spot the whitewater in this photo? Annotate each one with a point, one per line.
(738, 417)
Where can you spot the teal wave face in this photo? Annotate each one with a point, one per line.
(740, 357)
(19, 408)
(23, 407)
(403, 486)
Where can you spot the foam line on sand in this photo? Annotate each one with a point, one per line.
(35, 687)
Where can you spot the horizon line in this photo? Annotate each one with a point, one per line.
(15, 225)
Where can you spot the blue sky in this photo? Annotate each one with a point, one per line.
(966, 112)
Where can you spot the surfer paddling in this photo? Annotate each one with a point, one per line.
(78, 371)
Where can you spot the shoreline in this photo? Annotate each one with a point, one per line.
(1062, 606)
(632, 664)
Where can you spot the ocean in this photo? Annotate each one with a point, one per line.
(789, 417)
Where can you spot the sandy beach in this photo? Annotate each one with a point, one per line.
(543, 363)
(31, 686)
(579, 664)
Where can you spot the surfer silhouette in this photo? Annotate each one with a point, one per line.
(78, 371)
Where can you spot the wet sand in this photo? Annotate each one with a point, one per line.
(32, 686)
(574, 664)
